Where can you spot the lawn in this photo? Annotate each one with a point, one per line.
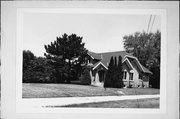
(37, 90)
(140, 103)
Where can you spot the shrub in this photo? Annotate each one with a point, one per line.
(86, 78)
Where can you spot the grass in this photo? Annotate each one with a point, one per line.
(37, 90)
(141, 103)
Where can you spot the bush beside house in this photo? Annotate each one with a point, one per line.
(86, 78)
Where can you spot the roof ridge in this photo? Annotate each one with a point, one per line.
(108, 52)
(111, 52)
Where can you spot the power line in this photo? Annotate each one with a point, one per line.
(149, 22)
(153, 22)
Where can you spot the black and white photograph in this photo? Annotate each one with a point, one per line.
(90, 60)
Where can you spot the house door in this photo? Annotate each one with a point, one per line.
(101, 75)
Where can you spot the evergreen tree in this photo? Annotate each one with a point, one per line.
(109, 76)
(120, 83)
(66, 55)
(115, 73)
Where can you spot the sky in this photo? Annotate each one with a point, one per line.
(100, 32)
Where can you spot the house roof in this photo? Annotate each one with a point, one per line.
(106, 56)
(94, 55)
(146, 70)
(99, 63)
(128, 63)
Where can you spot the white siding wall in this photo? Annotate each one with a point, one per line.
(136, 75)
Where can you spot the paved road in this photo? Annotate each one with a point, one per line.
(43, 102)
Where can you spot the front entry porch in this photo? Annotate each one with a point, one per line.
(98, 76)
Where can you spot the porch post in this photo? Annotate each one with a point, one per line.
(97, 77)
(92, 78)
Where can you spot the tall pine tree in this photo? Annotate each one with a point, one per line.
(120, 83)
(66, 54)
(109, 75)
(115, 73)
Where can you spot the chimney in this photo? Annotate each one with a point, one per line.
(101, 56)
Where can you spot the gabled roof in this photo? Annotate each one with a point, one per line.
(128, 63)
(99, 63)
(105, 57)
(94, 55)
(146, 70)
(142, 68)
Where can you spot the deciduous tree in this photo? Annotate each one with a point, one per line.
(38, 71)
(146, 47)
(27, 57)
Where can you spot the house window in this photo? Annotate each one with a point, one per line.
(131, 76)
(124, 74)
(140, 76)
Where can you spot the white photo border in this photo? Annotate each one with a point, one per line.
(23, 105)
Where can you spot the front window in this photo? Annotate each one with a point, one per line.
(131, 76)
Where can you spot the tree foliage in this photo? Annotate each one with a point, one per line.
(114, 73)
(86, 78)
(27, 57)
(109, 75)
(146, 47)
(119, 74)
(66, 54)
(37, 71)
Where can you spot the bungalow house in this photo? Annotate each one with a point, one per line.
(134, 74)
